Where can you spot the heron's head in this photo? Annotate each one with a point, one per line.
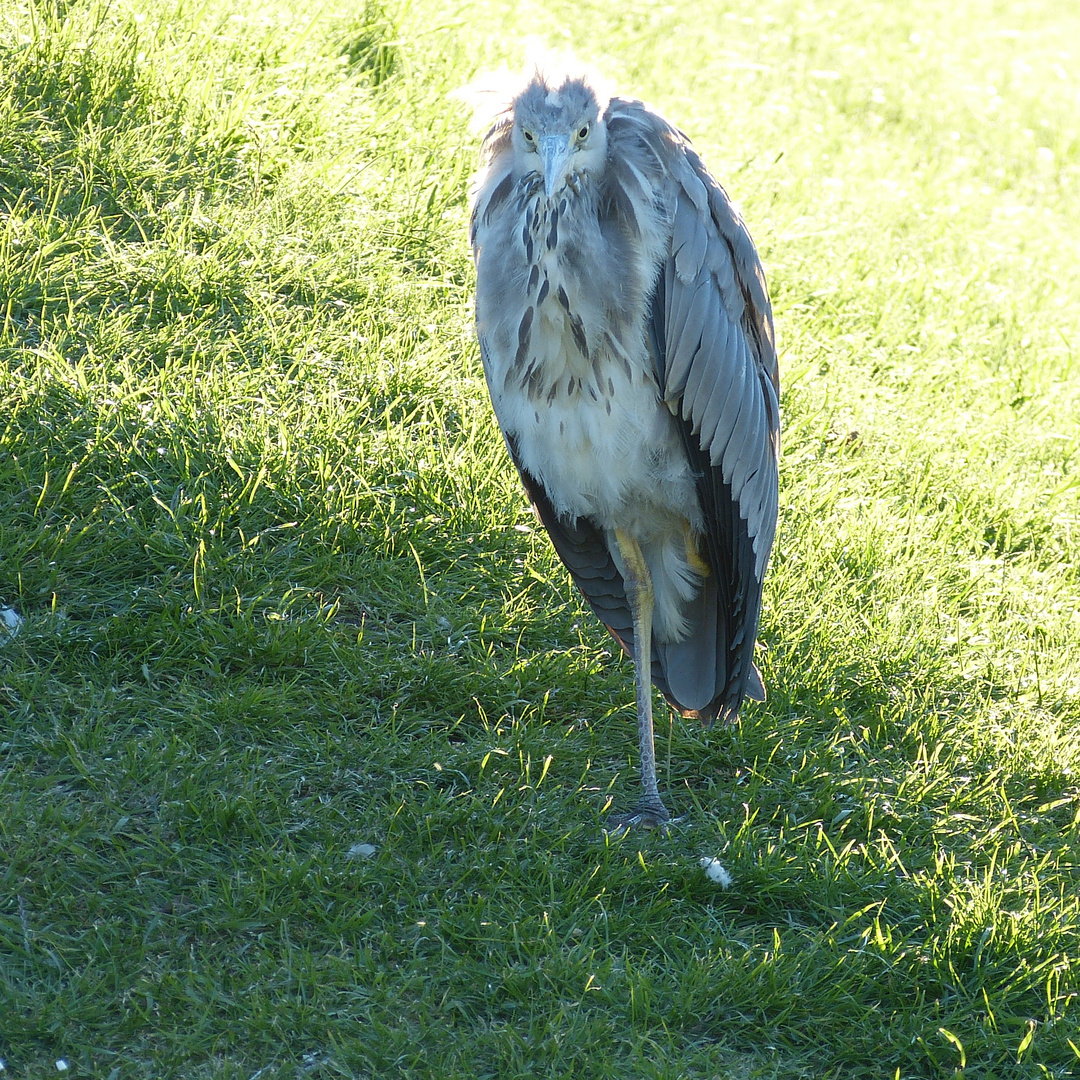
(559, 130)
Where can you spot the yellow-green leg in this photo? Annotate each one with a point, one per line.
(639, 592)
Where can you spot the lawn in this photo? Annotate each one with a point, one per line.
(306, 740)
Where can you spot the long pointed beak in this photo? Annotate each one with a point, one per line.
(554, 153)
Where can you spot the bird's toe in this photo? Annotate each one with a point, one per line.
(644, 816)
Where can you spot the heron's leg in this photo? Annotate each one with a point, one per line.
(639, 591)
(694, 557)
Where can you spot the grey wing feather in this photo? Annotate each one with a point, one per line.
(675, 372)
(726, 393)
(690, 252)
(714, 346)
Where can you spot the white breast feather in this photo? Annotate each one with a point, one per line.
(597, 437)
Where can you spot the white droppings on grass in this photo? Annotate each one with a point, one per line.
(10, 621)
(362, 851)
(715, 872)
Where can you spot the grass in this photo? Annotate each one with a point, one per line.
(306, 740)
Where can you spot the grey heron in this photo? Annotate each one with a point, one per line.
(628, 346)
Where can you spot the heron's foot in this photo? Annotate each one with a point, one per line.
(647, 815)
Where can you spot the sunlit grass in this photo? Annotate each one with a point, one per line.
(284, 602)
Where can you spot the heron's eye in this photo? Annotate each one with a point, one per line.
(584, 132)
(528, 136)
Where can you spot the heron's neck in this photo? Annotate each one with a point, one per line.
(530, 189)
